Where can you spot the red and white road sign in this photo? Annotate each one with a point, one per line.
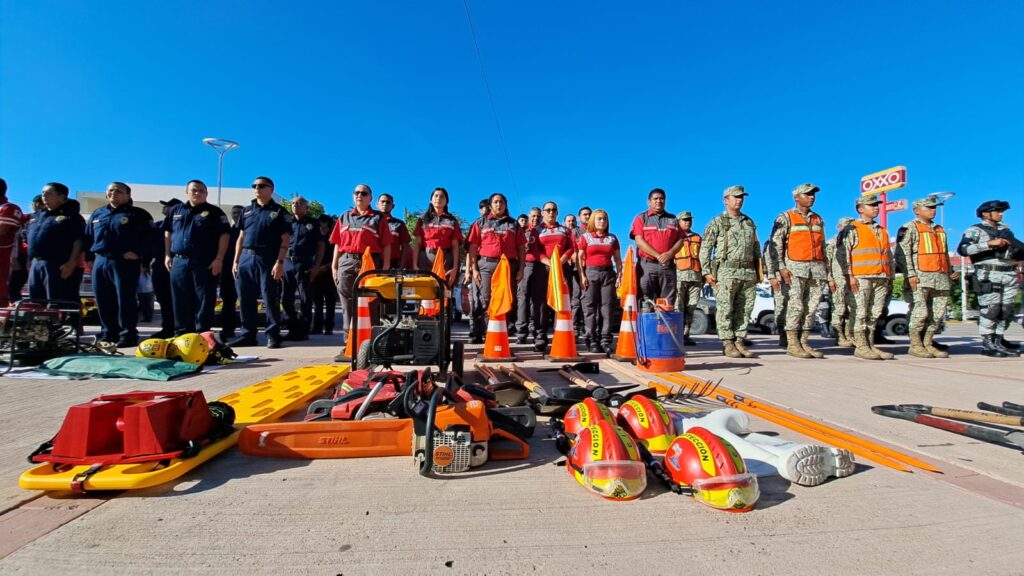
(883, 181)
(896, 205)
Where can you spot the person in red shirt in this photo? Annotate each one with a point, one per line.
(11, 220)
(492, 236)
(549, 234)
(658, 238)
(401, 253)
(437, 230)
(526, 329)
(598, 251)
(354, 232)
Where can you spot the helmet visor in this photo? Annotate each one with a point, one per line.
(615, 479)
(738, 492)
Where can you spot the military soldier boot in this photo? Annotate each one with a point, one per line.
(729, 349)
(793, 347)
(988, 347)
(930, 346)
(863, 350)
(741, 347)
(843, 335)
(783, 342)
(917, 347)
(997, 341)
(805, 336)
(881, 353)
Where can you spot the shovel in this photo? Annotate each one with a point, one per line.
(566, 396)
(574, 373)
(1015, 438)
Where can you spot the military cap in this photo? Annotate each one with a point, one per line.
(806, 188)
(992, 206)
(685, 214)
(845, 221)
(734, 191)
(868, 201)
(927, 202)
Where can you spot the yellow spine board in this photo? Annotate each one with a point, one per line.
(263, 402)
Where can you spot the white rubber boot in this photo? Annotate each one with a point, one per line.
(803, 464)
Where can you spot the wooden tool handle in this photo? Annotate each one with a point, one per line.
(978, 416)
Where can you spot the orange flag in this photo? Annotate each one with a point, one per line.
(558, 290)
(439, 271)
(501, 289)
(628, 285)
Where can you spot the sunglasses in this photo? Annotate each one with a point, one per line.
(360, 193)
(260, 185)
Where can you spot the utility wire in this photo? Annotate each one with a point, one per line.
(490, 100)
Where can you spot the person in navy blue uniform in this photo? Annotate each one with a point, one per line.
(55, 237)
(264, 235)
(161, 275)
(195, 240)
(304, 264)
(118, 234)
(228, 293)
(325, 293)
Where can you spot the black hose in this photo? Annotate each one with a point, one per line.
(428, 456)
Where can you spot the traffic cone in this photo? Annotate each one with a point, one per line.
(625, 350)
(432, 307)
(363, 330)
(496, 347)
(563, 344)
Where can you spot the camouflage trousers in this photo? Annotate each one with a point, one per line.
(928, 309)
(687, 295)
(780, 296)
(802, 301)
(870, 302)
(996, 308)
(843, 305)
(734, 299)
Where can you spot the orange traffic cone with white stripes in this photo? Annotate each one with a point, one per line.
(496, 346)
(433, 307)
(563, 344)
(363, 330)
(625, 350)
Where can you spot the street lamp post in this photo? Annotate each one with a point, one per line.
(221, 146)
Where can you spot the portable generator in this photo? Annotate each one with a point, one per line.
(403, 319)
(32, 333)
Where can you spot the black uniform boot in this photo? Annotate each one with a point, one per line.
(783, 341)
(997, 341)
(1008, 345)
(988, 347)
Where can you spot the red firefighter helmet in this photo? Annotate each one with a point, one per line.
(583, 414)
(713, 469)
(606, 461)
(648, 422)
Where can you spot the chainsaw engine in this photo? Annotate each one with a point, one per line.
(454, 450)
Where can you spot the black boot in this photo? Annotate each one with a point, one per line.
(595, 347)
(988, 347)
(1008, 345)
(997, 341)
(941, 347)
(783, 341)
(881, 339)
(606, 343)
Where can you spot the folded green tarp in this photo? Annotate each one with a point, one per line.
(80, 367)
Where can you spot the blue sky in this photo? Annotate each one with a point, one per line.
(598, 101)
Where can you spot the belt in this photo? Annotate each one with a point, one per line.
(601, 268)
(489, 259)
(112, 256)
(353, 255)
(298, 260)
(996, 267)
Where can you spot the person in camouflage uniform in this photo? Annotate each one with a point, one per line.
(995, 254)
(922, 255)
(730, 261)
(842, 298)
(799, 239)
(867, 267)
(688, 277)
(780, 291)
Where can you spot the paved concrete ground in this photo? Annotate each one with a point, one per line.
(238, 514)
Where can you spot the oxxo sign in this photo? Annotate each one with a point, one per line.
(883, 181)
